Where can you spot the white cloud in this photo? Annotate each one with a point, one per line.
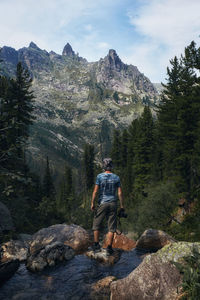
(88, 27)
(45, 22)
(167, 27)
(103, 45)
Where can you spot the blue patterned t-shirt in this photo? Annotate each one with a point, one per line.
(108, 184)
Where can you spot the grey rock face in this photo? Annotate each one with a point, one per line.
(34, 46)
(151, 280)
(49, 255)
(68, 51)
(156, 278)
(10, 55)
(6, 222)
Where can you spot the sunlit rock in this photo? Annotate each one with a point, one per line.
(15, 249)
(72, 235)
(121, 241)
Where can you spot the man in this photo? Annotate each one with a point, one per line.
(107, 184)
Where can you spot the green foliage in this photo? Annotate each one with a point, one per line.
(19, 189)
(116, 149)
(48, 188)
(191, 275)
(66, 200)
(143, 149)
(189, 228)
(178, 121)
(155, 209)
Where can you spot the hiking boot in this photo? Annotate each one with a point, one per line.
(95, 247)
(109, 251)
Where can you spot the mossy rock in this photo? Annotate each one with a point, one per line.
(176, 251)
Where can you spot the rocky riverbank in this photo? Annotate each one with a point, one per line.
(59, 253)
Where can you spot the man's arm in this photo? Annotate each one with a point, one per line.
(120, 196)
(95, 191)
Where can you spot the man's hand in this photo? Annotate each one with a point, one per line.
(95, 191)
(92, 207)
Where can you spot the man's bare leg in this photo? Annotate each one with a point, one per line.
(96, 236)
(110, 236)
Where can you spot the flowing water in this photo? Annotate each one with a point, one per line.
(71, 280)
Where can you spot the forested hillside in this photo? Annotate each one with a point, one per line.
(157, 158)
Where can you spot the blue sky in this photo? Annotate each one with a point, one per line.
(145, 33)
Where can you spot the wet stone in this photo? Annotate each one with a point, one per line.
(103, 257)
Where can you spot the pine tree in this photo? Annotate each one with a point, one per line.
(124, 149)
(116, 153)
(143, 150)
(48, 186)
(178, 119)
(17, 186)
(66, 198)
(16, 116)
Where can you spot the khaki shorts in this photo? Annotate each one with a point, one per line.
(108, 210)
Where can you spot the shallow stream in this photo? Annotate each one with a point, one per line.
(71, 280)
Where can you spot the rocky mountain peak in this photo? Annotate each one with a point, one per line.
(113, 60)
(34, 46)
(68, 51)
(113, 54)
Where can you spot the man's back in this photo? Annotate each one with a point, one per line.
(108, 183)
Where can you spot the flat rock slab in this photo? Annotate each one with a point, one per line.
(103, 257)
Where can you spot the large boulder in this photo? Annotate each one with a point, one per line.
(156, 278)
(71, 235)
(6, 223)
(121, 241)
(14, 249)
(154, 239)
(49, 255)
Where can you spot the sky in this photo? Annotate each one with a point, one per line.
(144, 33)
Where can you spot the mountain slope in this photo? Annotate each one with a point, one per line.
(78, 102)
